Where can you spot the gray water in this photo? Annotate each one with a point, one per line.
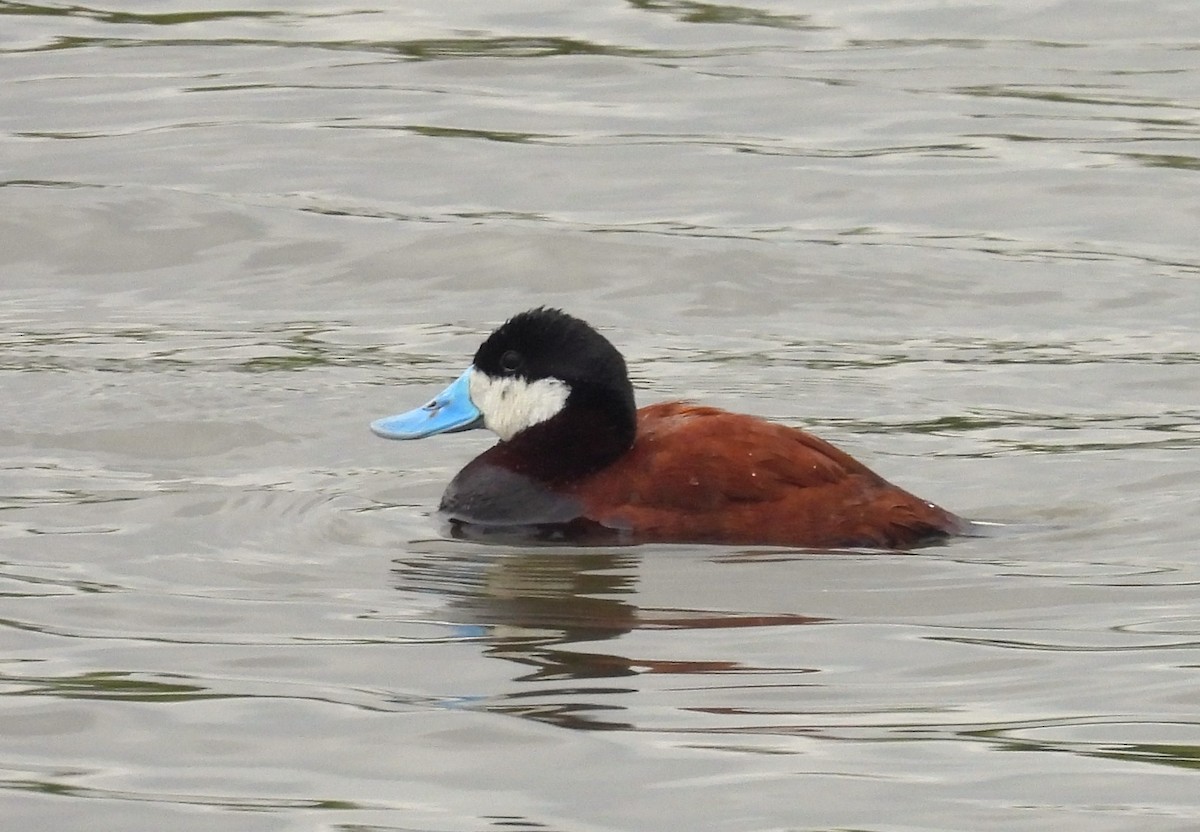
(957, 239)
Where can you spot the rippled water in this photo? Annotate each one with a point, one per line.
(959, 240)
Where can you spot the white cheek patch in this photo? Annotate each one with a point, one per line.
(510, 405)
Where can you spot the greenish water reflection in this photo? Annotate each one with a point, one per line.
(105, 685)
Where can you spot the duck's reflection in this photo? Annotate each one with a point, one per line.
(527, 605)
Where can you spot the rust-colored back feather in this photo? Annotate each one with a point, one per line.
(703, 474)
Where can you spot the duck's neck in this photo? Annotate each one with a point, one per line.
(585, 437)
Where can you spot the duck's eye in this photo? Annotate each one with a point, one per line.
(511, 361)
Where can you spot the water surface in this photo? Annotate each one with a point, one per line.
(958, 241)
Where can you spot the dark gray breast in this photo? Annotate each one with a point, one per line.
(490, 495)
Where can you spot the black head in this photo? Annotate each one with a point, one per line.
(530, 358)
(549, 343)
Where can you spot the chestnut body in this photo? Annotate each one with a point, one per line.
(699, 474)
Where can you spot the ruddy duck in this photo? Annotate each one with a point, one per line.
(578, 461)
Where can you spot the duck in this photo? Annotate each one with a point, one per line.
(578, 462)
